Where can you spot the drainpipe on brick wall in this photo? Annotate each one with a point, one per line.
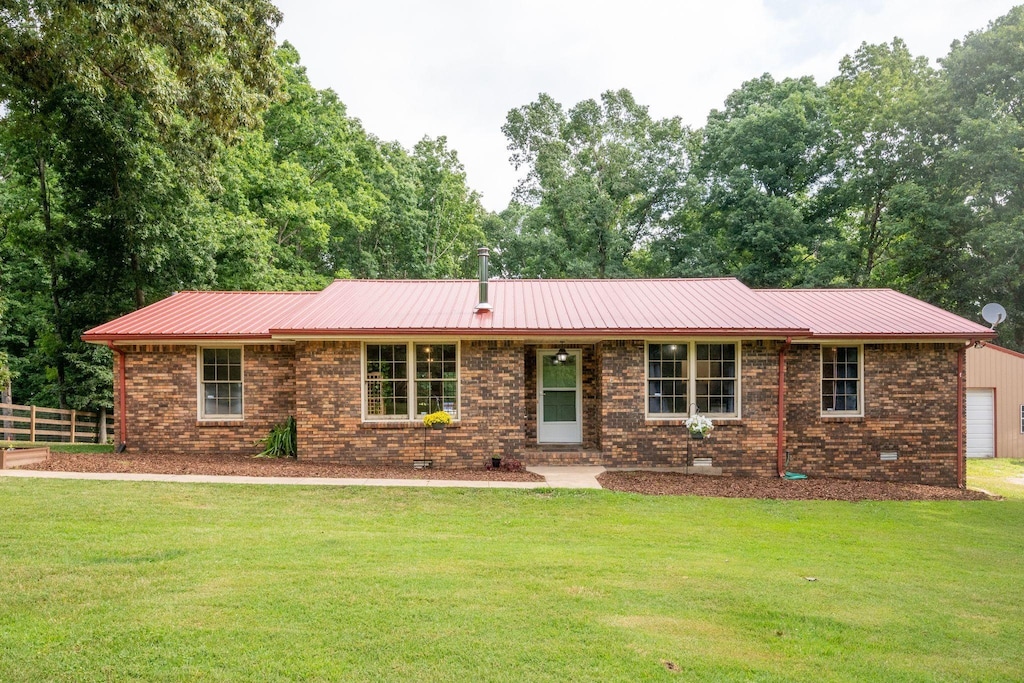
(122, 422)
(780, 439)
(961, 356)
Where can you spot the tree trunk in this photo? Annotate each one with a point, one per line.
(873, 242)
(51, 262)
(140, 295)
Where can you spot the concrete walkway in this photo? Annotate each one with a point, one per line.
(555, 477)
(569, 477)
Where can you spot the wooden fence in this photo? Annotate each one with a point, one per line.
(33, 423)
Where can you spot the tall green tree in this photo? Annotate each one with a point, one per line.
(752, 209)
(113, 113)
(886, 117)
(600, 179)
(984, 162)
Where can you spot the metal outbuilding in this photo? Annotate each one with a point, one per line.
(995, 402)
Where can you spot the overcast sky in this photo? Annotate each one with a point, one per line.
(456, 67)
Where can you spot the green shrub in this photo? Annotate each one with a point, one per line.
(280, 442)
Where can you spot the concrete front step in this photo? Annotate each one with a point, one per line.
(560, 456)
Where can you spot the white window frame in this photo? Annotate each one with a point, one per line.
(860, 380)
(200, 382)
(411, 415)
(691, 379)
(1022, 419)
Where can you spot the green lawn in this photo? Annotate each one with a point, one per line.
(62, 447)
(992, 474)
(142, 581)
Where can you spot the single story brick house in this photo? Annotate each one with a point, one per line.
(865, 384)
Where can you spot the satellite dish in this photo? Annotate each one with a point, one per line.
(993, 314)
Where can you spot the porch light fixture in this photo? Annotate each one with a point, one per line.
(562, 355)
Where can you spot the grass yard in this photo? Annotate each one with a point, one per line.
(155, 582)
(991, 475)
(62, 447)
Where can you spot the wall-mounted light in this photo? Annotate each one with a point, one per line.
(562, 355)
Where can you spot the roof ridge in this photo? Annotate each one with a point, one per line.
(827, 289)
(546, 279)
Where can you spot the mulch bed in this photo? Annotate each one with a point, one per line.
(241, 465)
(675, 484)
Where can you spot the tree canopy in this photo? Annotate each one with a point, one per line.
(151, 148)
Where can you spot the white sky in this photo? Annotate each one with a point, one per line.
(410, 68)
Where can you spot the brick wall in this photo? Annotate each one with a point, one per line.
(909, 392)
(328, 405)
(162, 395)
(740, 447)
(909, 406)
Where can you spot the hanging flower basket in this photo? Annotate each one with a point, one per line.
(438, 420)
(699, 426)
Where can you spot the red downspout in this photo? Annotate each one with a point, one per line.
(780, 439)
(122, 413)
(961, 355)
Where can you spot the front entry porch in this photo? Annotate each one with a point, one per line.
(563, 397)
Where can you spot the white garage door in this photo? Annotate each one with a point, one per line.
(981, 412)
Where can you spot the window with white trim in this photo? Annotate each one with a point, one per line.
(220, 383)
(408, 380)
(437, 370)
(716, 378)
(387, 380)
(667, 379)
(841, 380)
(703, 376)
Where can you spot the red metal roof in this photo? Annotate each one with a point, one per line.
(558, 307)
(563, 308)
(204, 315)
(869, 313)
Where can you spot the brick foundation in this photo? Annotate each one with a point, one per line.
(909, 391)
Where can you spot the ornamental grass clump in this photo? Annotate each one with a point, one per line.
(280, 442)
(699, 425)
(438, 419)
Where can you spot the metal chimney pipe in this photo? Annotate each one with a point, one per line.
(483, 253)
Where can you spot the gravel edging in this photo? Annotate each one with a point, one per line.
(246, 466)
(676, 484)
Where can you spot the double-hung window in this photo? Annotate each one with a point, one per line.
(408, 380)
(716, 379)
(685, 377)
(220, 384)
(841, 383)
(668, 371)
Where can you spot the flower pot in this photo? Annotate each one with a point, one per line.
(696, 435)
(495, 463)
(438, 426)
